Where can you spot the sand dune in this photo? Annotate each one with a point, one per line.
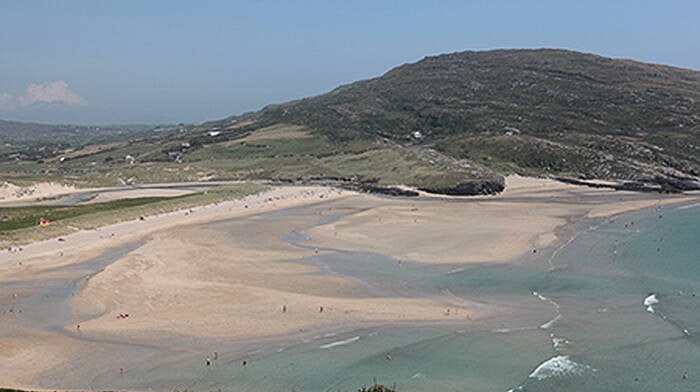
(12, 193)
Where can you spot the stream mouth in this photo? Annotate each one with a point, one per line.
(46, 304)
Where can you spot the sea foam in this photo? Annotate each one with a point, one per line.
(551, 322)
(559, 366)
(649, 301)
(341, 342)
(689, 206)
(540, 296)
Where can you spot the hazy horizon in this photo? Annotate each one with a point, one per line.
(169, 62)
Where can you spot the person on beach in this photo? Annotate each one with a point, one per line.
(244, 363)
(122, 371)
(207, 362)
(320, 309)
(284, 308)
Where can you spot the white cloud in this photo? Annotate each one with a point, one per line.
(6, 102)
(54, 92)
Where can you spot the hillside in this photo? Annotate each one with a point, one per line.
(21, 132)
(454, 123)
(35, 141)
(529, 111)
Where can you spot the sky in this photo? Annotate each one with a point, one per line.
(111, 62)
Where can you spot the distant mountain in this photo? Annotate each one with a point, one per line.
(21, 132)
(454, 123)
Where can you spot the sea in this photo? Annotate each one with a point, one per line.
(613, 305)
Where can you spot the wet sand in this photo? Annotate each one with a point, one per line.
(224, 273)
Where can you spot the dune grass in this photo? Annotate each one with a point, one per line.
(18, 225)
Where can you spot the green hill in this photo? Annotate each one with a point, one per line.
(454, 123)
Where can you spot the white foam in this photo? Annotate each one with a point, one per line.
(558, 342)
(501, 330)
(689, 206)
(456, 270)
(559, 366)
(651, 300)
(340, 342)
(540, 296)
(308, 340)
(550, 322)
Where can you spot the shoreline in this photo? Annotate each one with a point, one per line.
(385, 207)
(125, 230)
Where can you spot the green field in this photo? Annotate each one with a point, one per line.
(18, 225)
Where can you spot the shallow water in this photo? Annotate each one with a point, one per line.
(48, 301)
(573, 319)
(609, 272)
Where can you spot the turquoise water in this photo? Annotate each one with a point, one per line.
(572, 318)
(618, 343)
(576, 320)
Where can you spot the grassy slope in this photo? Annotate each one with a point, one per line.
(480, 114)
(571, 114)
(18, 224)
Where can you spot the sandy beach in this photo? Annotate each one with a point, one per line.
(189, 280)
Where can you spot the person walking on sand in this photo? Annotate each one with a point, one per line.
(208, 362)
(284, 308)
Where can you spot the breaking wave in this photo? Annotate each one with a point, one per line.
(559, 366)
(340, 342)
(649, 301)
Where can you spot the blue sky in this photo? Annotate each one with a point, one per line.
(172, 61)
